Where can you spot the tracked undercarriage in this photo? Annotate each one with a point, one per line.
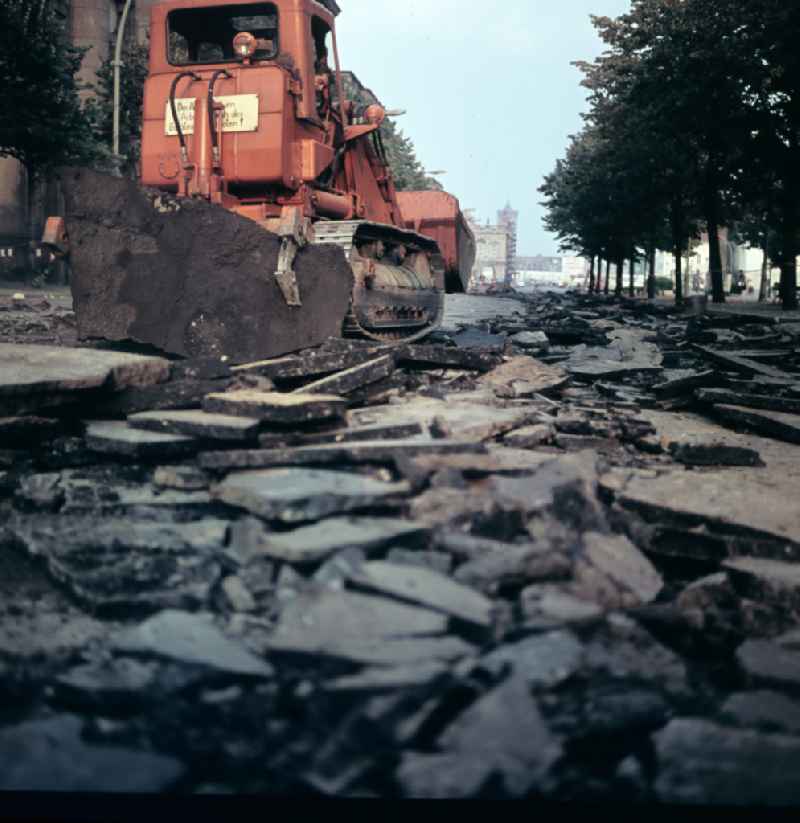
(395, 276)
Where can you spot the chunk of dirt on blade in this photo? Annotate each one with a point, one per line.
(194, 281)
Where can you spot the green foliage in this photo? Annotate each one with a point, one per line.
(133, 74)
(44, 123)
(694, 120)
(664, 284)
(408, 172)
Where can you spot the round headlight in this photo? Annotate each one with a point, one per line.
(244, 45)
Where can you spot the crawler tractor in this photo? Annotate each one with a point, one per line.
(247, 126)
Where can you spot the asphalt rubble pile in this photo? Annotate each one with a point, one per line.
(551, 555)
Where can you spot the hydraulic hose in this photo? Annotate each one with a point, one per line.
(174, 110)
(212, 127)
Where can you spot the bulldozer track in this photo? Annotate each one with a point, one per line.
(401, 310)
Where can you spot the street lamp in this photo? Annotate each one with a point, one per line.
(117, 64)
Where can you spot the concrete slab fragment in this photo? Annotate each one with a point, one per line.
(703, 763)
(347, 381)
(192, 639)
(272, 407)
(309, 364)
(543, 661)
(115, 437)
(380, 452)
(447, 357)
(475, 417)
(196, 424)
(765, 710)
(303, 495)
(26, 370)
(732, 362)
(427, 588)
(524, 377)
(314, 544)
(724, 498)
(50, 756)
(389, 679)
(613, 573)
(785, 427)
(508, 730)
(362, 629)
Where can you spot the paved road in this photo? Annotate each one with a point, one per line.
(467, 309)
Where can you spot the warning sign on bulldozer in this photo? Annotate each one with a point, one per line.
(241, 114)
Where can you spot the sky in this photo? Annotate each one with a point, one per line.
(489, 90)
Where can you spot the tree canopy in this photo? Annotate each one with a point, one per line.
(694, 124)
(44, 123)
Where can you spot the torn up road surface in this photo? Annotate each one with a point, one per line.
(535, 556)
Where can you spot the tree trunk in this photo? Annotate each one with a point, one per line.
(651, 277)
(687, 269)
(715, 253)
(608, 277)
(631, 277)
(763, 292)
(620, 272)
(789, 227)
(31, 215)
(678, 276)
(677, 221)
(591, 275)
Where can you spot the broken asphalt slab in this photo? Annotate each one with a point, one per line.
(311, 545)
(784, 427)
(273, 407)
(382, 451)
(123, 566)
(192, 639)
(345, 382)
(725, 499)
(39, 370)
(196, 424)
(363, 629)
(701, 762)
(425, 588)
(118, 438)
(50, 755)
(303, 495)
(523, 377)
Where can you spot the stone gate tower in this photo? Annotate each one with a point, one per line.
(508, 219)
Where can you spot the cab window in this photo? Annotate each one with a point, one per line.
(206, 35)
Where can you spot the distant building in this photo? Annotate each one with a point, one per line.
(736, 258)
(508, 218)
(538, 263)
(495, 245)
(567, 271)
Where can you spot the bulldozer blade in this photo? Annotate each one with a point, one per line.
(191, 278)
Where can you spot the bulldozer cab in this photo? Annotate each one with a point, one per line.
(241, 98)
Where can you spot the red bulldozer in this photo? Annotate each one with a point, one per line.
(266, 218)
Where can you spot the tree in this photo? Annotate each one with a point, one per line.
(409, 174)
(100, 109)
(668, 88)
(44, 123)
(767, 33)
